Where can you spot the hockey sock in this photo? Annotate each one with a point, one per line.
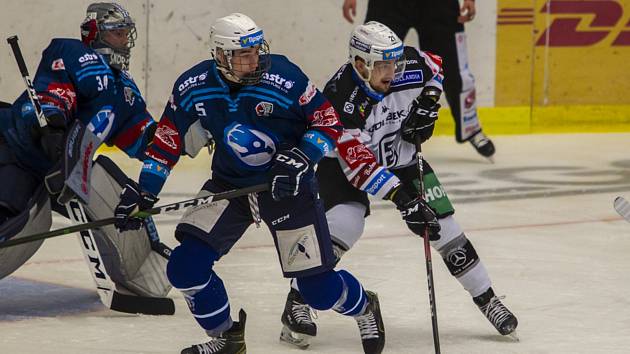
(338, 290)
(190, 271)
(461, 258)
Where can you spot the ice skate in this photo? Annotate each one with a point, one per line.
(298, 326)
(501, 318)
(230, 342)
(483, 145)
(371, 326)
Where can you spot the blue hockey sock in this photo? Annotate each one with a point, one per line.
(338, 290)
(190, 271)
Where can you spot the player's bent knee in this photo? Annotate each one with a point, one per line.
(190, 264)
(346, 223)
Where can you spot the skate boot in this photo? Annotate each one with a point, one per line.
(231, 341)
(298, 327)
(483, 145)
(501, 318)
(371, 326)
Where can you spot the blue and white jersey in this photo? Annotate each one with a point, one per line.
(249, 124)
(74, 80)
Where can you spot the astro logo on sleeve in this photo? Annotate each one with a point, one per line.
(253, 148)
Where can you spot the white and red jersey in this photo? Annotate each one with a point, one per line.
(376, 119)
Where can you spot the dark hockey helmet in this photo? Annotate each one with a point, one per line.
(111, 32)
(234, 32)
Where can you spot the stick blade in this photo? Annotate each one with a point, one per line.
(622, 206)
(142, 304)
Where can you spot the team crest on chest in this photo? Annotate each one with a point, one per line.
(252, 147)
(129, 96)
(264, 109)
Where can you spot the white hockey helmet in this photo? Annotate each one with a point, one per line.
(233, 32)
(374, 42)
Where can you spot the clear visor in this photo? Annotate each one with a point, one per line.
(394, 67)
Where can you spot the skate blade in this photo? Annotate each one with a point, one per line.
(490, 158)
(514, 336)
(299, 340)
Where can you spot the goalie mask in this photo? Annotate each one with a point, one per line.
(111, 32)
(239, 48)
(378, 47)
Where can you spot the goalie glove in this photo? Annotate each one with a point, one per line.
(131, 201)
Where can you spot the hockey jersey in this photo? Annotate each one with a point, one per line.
(375, 119)
(248, 124)
(75, 80)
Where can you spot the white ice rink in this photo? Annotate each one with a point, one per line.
(541, 218)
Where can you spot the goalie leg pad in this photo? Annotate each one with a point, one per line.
(128, 256)
(36, 218)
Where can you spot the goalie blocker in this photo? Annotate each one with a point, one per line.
(130, 276)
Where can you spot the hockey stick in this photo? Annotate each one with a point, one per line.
(106, 288)
(164, 209)
(17, 53)
(622, 206)
(427, 254)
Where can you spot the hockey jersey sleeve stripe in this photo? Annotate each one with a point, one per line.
(193, 93)
(96, 73)
(162, 155)
(92, 67)
(153, 176)
(266, 98)
(203, 98)
(381, 183)
(278, 96)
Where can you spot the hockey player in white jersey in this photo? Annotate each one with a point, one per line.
(379, 97)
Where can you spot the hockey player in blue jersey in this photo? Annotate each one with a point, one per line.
(270, 125)
(84, 87)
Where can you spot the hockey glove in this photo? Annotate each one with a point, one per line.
(51, 138)
(421, 120)
(131, 201)
(416, 213)
(289, 166)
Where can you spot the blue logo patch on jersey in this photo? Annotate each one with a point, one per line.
(252, 39)
(102, 122)
(253, 148)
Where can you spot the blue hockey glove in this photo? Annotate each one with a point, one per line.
(131, 201)
(416, 213)
(286, 173)
(50, 138)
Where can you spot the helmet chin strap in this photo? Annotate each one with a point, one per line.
(366, 82)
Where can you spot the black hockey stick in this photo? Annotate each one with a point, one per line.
(17, 53)
(432, 94)
(164, 209)
(427, 255)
